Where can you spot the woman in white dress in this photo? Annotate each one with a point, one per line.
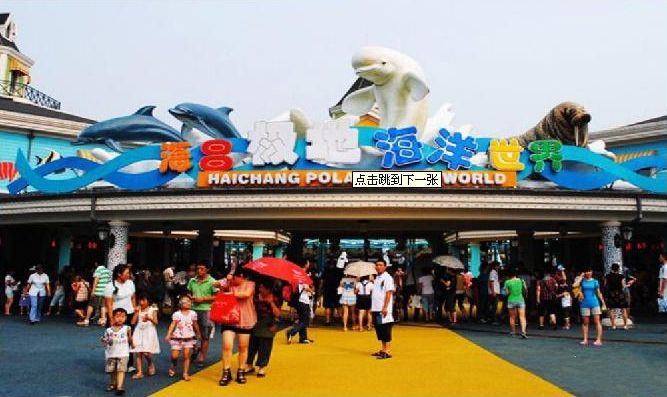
(348, 299)
(146, 342)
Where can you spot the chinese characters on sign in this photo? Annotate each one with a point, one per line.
(454, 150)
(216, 155)
(333, 142)
(400, 146)
(546, 150)
(272, 143)
(505, 156)
(175, 157)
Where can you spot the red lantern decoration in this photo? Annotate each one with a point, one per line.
(53, 243)
(600, 247)
(628, 246)
(129, 246)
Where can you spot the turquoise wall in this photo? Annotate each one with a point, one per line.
(11, 142)
(9, 145)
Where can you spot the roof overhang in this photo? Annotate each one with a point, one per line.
(342, 209)
(632, 134)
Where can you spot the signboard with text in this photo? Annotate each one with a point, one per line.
(340, 155)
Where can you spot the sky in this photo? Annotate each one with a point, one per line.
(501, 64)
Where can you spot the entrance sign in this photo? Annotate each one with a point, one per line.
(401, 148)
(212, 165)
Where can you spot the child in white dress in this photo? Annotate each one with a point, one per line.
(145, 338)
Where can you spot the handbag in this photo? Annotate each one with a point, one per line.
(225, 309)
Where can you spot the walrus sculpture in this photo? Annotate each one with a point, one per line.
(567, 122)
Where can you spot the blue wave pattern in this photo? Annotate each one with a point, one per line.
(583, 170)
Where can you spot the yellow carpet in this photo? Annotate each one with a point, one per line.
(426, 362)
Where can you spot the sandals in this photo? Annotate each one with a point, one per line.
(151, 370)
(261, 374)
(137, 376)
(186, 377)
(240, 377)
(110, 387)
(172, 372)
(226, 377)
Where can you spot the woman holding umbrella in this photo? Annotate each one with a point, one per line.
(244, 291)
(295, 275)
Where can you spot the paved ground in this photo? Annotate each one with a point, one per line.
(425, 362)
(631, 363)
(56, 358)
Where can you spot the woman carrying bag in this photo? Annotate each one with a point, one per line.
(244, 291)
(592, 304)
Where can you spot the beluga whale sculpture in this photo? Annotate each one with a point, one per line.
(399, 88)
(140, 126)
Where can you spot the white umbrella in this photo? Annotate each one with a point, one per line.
(448, 261)
(360, 269)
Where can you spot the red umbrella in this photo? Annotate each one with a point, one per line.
(281, 269)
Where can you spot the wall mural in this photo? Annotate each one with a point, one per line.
(210, 151)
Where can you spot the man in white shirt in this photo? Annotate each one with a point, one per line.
(40, 289)
(494, 291)
(662, 276)
(303, 310)
(382, 299)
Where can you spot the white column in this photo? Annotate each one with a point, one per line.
(610, 253)
(611, 231)
(118, 251)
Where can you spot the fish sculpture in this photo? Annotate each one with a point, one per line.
(140, 126)
(213, 122)
(567, 122)
(51, 156)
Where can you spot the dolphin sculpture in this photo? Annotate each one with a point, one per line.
(140, 126)
(213, 122)
(399, 88)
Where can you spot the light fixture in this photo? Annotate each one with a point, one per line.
(627, 233)
(166, 229)
(103, 231)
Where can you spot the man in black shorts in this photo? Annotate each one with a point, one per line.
(382, 299)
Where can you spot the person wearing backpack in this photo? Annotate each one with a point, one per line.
(547, 304)
(363, 289)
(305, 293)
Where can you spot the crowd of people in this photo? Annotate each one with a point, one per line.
(129, 305)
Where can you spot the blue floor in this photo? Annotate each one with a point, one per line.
(630, 363)
(57, 358)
